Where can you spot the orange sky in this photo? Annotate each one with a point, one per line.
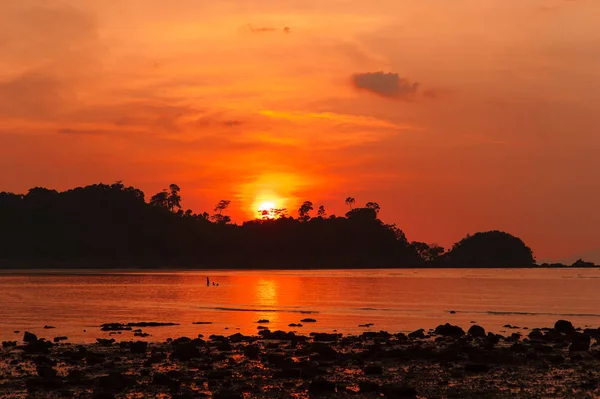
(456, 116)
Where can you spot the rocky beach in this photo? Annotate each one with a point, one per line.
(445, 362)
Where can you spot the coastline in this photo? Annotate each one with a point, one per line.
(560, 361)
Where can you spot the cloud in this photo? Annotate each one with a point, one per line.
(268, 29)
(389, 85)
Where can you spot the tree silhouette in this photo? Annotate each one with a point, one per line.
(491, 249)
(174, 199)
(350, 202)
(161, 199)
(373, 205)
(321, 212)
(219, 208)
(304, 211)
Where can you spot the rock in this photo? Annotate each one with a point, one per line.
(185, 352)
(141, 334)
(9, 344)
(509, 326)
(218, 374)
(114, 327)
(138, 347)
(418, 334)
(564, 327)
(367, 325)
(181, 340)
(105, 342)
(48, 327)
(321, 386)
(373, 370)
(399, 391)
(518, 348)
(368, 386)
(151, 324)
(227, 394)
(46, 371)
(308, 320)
(476, 331)
(475, 368)
(263, 321)
(61, 338)
(580, 343)
(452, 312)
(39, 346)
(294, 325)
(324, 337)
(202, 322)
(536, 334)
(252, 351)
(115, 382)
(29, 337)
(165, 380)
(262, 328)
(237, 338)
(449, 330)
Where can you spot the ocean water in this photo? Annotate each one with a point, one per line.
(76, 303)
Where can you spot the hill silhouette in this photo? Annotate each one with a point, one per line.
(106, 226)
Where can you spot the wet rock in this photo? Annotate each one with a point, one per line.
(48, 327)
(294, 325)
(165, 380)
(185, 352)
(61, 338)
(373, 370)
(29, 337)
(321, 386)
(115, 382)
(46, 371)
(368, 386)
(564, 327)
(308, 320)
(263, 321)
(181, 340)
(324, 337)
(367, 325)
(476, 331)
(114, 327)
(237, 338)
(105, 342)
(138, 347)
(228, 394)
(580, 342)
(9, 344)
(202, 322)
(475, 368)
(418, 334)
(518, 348)
(44, 361)
(510, 326)
(141, 334)
(449, 330)
(399, 391)
(39, 346)
(536, 334)
(218, 374)
(514, 337)
(262, 328)
(252, 351)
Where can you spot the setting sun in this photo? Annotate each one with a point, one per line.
(266, 206)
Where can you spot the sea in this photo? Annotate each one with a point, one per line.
(75, 303)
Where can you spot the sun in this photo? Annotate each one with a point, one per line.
(266, 206)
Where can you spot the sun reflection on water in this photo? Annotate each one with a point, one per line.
(267, 298)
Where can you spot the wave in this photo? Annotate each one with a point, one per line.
(259, 310)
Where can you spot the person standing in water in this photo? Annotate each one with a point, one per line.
(207, 282)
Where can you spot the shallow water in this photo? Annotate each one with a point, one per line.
(393, 300)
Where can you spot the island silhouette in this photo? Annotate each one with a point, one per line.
(113, 226)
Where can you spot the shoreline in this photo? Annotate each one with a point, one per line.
(560, 361)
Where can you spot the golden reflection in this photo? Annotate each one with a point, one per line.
(267, 298)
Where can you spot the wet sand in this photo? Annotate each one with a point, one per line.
(446, 363)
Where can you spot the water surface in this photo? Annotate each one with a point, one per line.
(393, 300)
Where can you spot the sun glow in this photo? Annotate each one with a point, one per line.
(266, 206)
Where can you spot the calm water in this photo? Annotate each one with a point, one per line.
(394, 300)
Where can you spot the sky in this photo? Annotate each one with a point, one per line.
(455, 116)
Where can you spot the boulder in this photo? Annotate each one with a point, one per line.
(320, 386)
(449, 330)
(138, 347)
(418, 334)
(564, 327)
(29, 337)
(476, 331)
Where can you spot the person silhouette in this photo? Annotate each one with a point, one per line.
(207, 282)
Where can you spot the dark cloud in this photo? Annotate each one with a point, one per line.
(389, 85)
